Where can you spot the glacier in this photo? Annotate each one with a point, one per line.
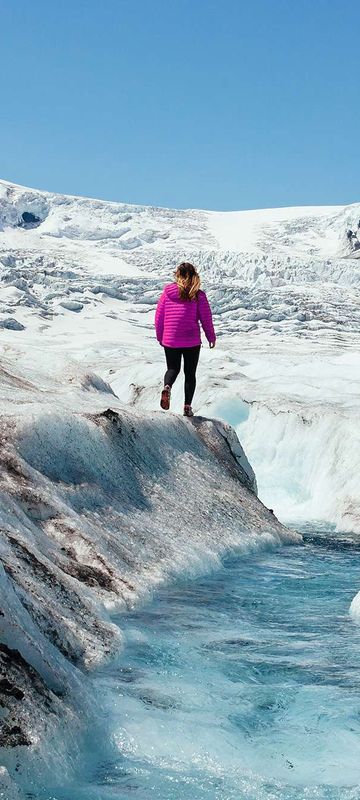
(284, 285)
(104, 499)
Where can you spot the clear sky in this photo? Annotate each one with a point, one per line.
(183, 103)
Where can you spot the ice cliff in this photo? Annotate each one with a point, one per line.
(97, 509)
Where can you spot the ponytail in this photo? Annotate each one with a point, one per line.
(188, 281)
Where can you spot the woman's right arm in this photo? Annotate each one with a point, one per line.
(159, 318)
(205, 317)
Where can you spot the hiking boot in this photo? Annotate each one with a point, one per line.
(188, 412)
(165, 398)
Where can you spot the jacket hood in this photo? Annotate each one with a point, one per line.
(172, 292)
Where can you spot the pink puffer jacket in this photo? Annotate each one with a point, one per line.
(177, 321)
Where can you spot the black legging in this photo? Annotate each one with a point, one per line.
(173, 362)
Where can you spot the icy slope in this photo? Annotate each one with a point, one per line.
(98, 507)
(79, 283)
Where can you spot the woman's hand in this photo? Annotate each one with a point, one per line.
(212, 345)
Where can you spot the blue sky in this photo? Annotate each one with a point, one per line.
(183, 103)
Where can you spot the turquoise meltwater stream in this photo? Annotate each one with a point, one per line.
(241, 685)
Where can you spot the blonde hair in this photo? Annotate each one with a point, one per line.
(187, 280)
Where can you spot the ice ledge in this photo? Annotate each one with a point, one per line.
(233, 458)
(96, 511)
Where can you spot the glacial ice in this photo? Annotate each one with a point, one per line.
(305, 462)
(92, 496)
(94, 518)
(8, 790)
(284, 285)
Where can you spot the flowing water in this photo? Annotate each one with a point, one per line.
(243, 684)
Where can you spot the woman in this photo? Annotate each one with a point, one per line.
(181, 307)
